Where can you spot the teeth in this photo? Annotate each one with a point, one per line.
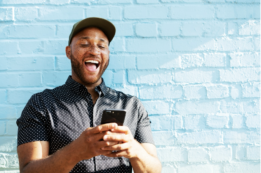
(92, 61)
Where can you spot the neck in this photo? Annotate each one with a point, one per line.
(90, 88)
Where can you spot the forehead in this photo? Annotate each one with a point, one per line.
(92, 33)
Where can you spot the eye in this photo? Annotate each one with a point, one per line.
(101, 46)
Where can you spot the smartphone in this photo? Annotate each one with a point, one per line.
(113, 116)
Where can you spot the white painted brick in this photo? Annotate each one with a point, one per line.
(145, 12)
(149, 77)
(8, 160)
(163, 138)
(178, 122)
(231, 107)
(240, 75)
(237, 11)
(8, 143)
(161, 92)
(220, 154)
(147, 1)
(232, 28)
(7, 112)
(122, 62)
(195, 76)
(253, 120)
(148, 45)
(243, 1)
(59, 2)
(253, 152)
(63, 63)
(60, 13)
(113, 2)
(162, 123)
(250, 27)
(235, 91)
(26, 13)
(193, 44)
(169, 28)
(146, 29)
(198, 155)
(174, 154)
(240, 153)
(195, 28)
(203, 137)
(194, 122)
(168, 169)
(206, 168)
(234, 44)
(115, 13)
(252, 106)
(99, 11)
(242, 168)
(234, 137)
(191, 60)
(117, 45)
(194, 91)
(197, 107)
(214, 59)
(156, 107)
(237, 121)
(218, 121)
(251, 89)
(6, 13)
(23, 2)
(11, 128)
(195, 12)
(128, 89)
(2, 127)
(242, 59)
(124, 29)
(257, 43)
(161, 61)
(119, 77)
(217, 91)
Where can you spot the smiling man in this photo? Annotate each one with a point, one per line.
(60, 130)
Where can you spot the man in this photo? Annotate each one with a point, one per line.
(59, 130)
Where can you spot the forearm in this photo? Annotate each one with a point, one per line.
(145, 163)
(61, 161)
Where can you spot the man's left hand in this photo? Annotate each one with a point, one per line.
(127, 146)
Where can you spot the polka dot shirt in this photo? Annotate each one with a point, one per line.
(60, 115)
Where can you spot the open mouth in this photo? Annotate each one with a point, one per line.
(92, 65)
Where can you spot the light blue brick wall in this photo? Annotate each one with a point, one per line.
(195, 65)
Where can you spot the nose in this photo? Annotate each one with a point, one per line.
(94, 50)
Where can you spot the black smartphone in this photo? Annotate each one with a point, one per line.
(113, 116)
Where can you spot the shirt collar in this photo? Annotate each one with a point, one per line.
(77, 87)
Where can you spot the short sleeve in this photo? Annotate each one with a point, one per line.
(143, 132)
(32, 123)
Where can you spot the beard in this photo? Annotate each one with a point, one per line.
(79, 71)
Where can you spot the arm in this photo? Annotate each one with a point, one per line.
(143, 157)
(33, 156)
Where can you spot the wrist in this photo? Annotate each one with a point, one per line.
(139, 151)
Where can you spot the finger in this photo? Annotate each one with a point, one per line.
(118, 147)
(102, 128)
(116, 137)
(117, 154)
(121, 129)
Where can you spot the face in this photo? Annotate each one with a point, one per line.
(89, 55)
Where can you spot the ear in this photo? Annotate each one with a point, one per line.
(68, 51)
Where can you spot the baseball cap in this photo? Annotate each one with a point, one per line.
(106, 26)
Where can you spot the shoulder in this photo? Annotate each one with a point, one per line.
(121, 95)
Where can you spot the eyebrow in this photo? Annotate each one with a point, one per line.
(101, 39)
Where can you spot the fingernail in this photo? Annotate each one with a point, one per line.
(105, 137)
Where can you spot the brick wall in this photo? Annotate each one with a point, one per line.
(193, 63)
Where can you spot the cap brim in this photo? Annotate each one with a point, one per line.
(106, 26)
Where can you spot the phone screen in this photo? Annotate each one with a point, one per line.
(113, 116)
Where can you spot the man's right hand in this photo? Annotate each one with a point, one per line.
(90, 142)
(33, 156)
